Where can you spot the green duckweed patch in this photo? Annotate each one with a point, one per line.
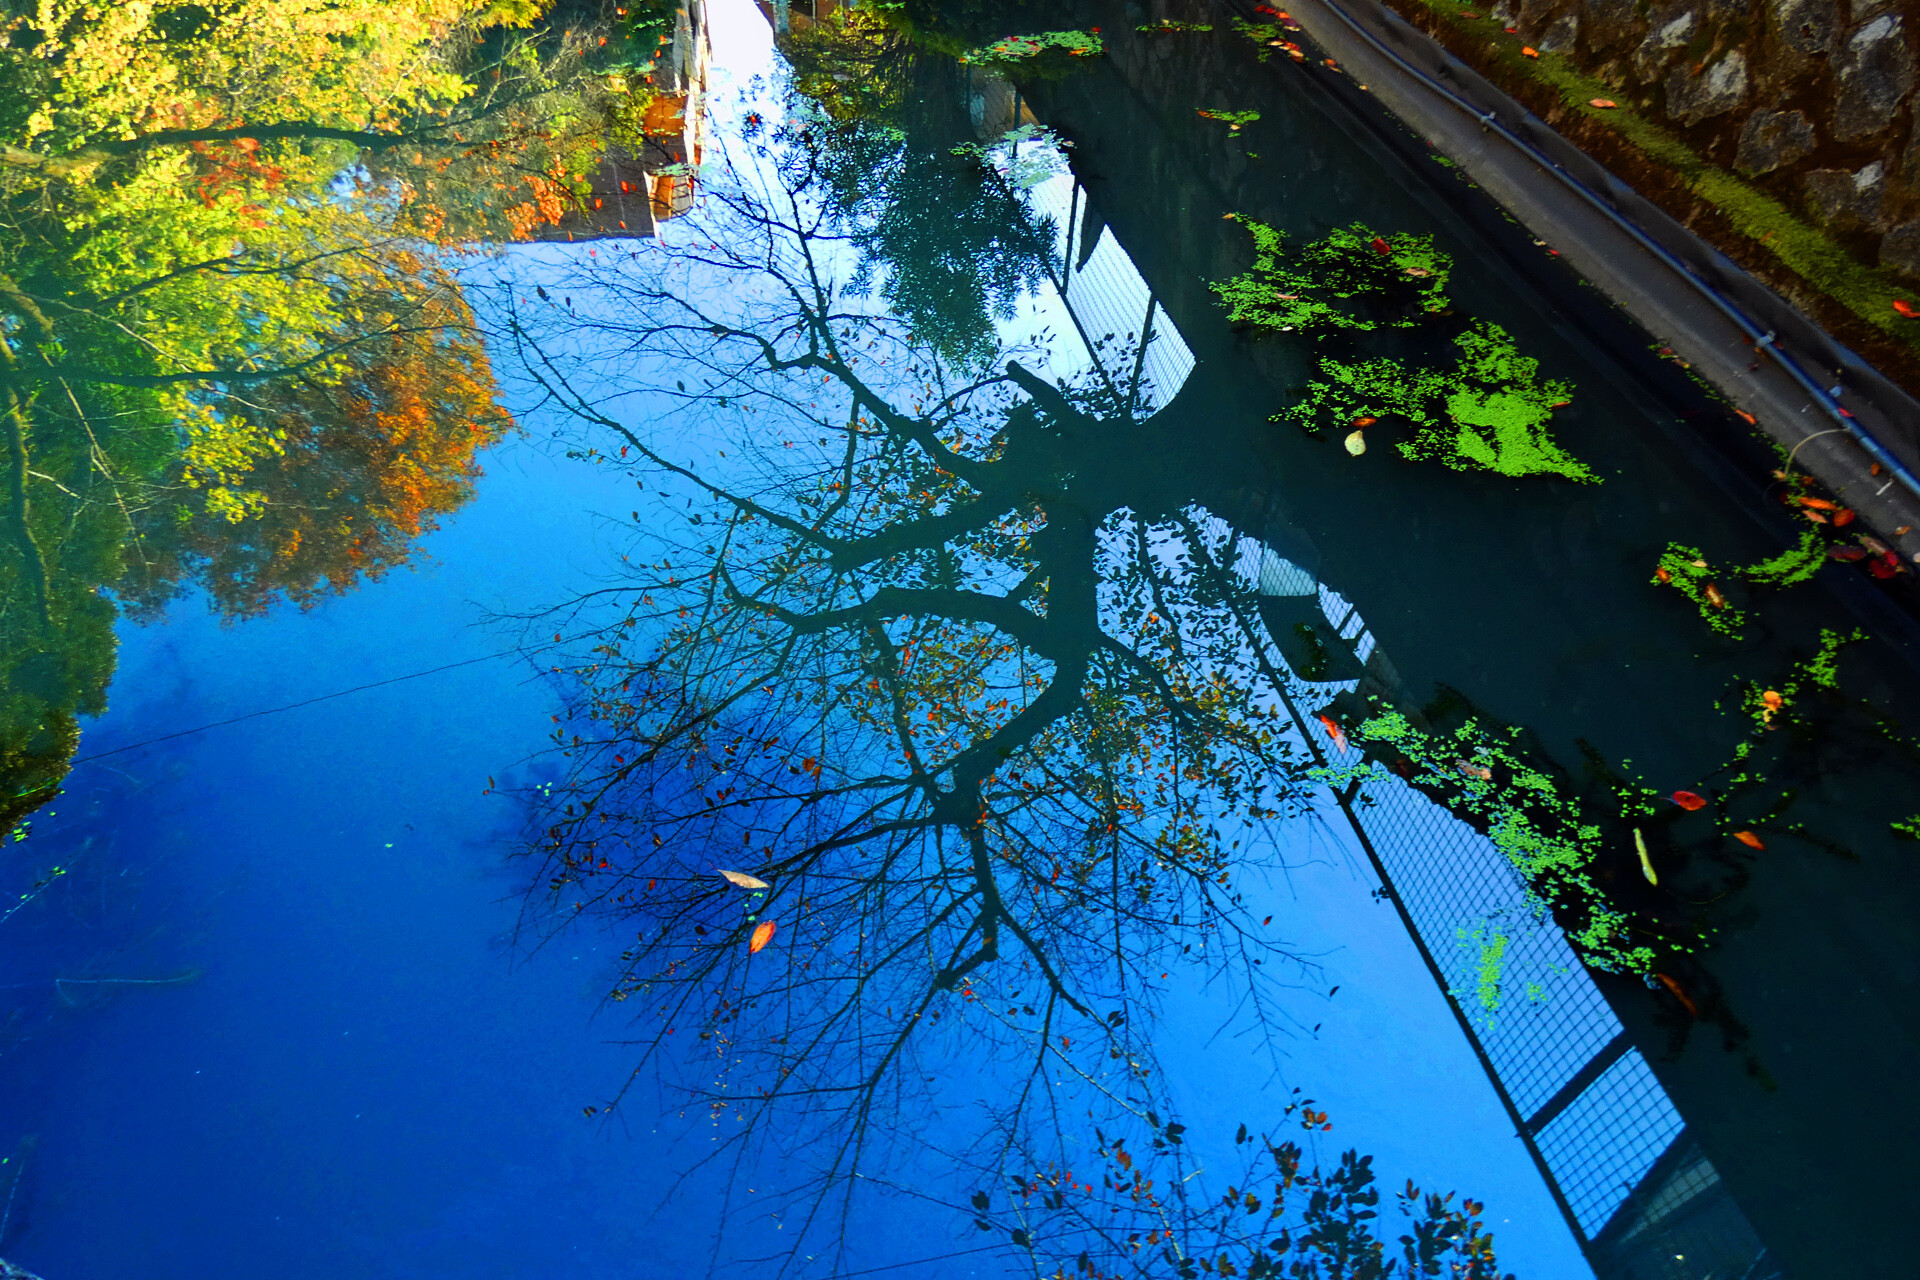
(1476, 404)
(1021, 52)
(1540, 831)
(1625, 868)
(1489, 944)
(1349, 279)
(1488, 411)
(1687, 571)
(1234, 120)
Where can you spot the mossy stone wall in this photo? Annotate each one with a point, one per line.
(1811, 100)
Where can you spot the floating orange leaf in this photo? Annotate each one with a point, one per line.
(762, 935)
(1529, 51)
(1678, 994)
(1689, 800)
(1906, 309)
(1605, 104)
(1749, 839)
(1334, 731)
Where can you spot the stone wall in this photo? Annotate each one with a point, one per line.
(1812, 100)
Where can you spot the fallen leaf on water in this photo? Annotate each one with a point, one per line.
(1749, 839)
(1848, 553)
(1689, 800)
(1714, 596)
(1334, 731)
(1646, 863)
(1678, 994)
(1364, 422)
(745, 881)
(1773, 700)
(762, 935)
(1906, 309)
(1529, 51)
(1357, 443)
(1605, 104)
(1381, 247)
(1844, 516)
(1749, 417)
(1819, 504)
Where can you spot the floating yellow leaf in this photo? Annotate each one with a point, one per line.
(1646, 863)
(744, 881)
(1357, 443)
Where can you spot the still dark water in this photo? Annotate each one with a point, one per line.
(1134, 785)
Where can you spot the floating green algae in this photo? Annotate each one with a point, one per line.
(1234, 120)
(1349, 279)
(1489, 943)
(1475, 403)
(1541, 832)
(1490, 411)
(1021, 51)
(1687, 571)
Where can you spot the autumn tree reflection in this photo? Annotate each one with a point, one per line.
(232, 350)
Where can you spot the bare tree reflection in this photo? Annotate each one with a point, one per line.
(950, 663)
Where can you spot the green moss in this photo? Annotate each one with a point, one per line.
(1802, 247)
(1168, 25)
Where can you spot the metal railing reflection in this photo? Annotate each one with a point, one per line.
(1641, 1198)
